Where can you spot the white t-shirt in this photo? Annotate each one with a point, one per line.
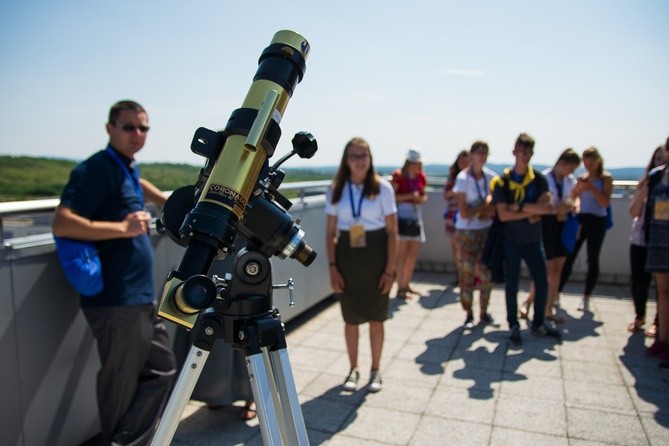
(568, 183)
(475, 193)
(373, 212)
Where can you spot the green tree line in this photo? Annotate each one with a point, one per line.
(30, 178)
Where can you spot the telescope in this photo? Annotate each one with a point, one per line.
(237, 193)
(237, 190)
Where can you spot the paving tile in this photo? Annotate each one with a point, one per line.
(315, 359)
(475, 379)
(543, 388)
(381, 425)
(502, 436)
(593, 373)
(532, 414)
(540, 363)
(599, 396)
(438, 431)
(326, 415)
(400, 396)
(606, 427)
(455, 403)
(409, 371)
(657, 429)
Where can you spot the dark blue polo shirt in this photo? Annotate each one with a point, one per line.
(100, 189)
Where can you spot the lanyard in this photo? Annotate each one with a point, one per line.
(558, 184)
(133, 177)
(476, 182)
(356, 214)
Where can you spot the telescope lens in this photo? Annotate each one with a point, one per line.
(195, 294)
(305, 254)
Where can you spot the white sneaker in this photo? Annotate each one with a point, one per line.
(583, 305)
(351, 382)
(375, 382)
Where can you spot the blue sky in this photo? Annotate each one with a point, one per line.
(434, 74)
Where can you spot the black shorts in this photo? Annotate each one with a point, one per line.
(552, 235)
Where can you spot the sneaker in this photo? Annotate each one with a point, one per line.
(469, 322)
(351, 382)
(515, 336)
(583, 305)
(487, 319)
(375, 382)
(546, 331)
(664, 367)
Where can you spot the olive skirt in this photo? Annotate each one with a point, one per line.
(362, 268)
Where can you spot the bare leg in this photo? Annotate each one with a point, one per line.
(525, 306)
(402, 279)
(352, 333)
(376, 335)
(554, 273)
(662, 282)
(411, 256)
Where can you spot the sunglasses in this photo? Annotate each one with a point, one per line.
(130, 128)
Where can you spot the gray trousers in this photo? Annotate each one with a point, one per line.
(137, 369)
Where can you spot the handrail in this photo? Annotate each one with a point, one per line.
(9, 208)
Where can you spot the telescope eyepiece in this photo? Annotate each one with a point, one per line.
(195, 294)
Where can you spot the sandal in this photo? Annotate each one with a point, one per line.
(403, 294)
(635, 326)
(412, 291)
(524, 310)
(554, 318)
(652, 331)
(248, 412)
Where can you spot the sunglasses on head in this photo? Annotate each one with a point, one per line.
(130, 128)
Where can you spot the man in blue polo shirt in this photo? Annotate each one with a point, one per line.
(521, 196)
(103, 202)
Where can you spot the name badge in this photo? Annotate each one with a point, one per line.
(661, 210)
(357, 236)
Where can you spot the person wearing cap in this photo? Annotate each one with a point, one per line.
(409, 184)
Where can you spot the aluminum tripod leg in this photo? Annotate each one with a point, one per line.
(180, 396)
(279, 412)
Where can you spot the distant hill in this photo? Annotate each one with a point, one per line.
(30, 178)
(26, 178)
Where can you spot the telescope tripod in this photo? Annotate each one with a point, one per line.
(244, 317)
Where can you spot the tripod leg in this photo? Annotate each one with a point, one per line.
(279, 412)
(180, 396)
(290, 405)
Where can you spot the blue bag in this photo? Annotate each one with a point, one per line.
(609, 218)
(570, 232)
(81, 265)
